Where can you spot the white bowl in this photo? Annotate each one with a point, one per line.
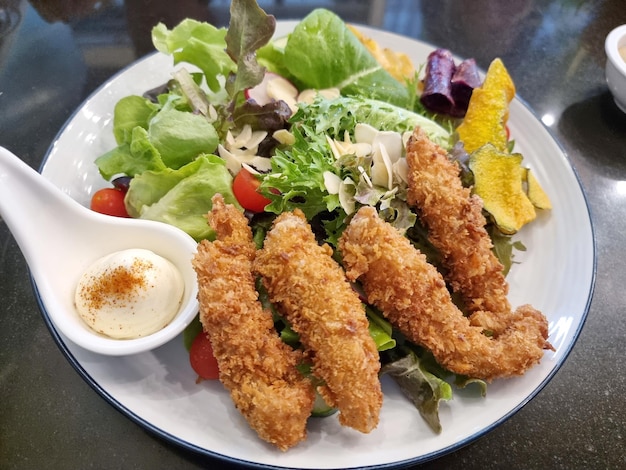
(616, 65)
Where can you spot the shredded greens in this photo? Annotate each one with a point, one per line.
(337, 116)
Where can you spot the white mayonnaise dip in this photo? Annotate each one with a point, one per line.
(129, 294)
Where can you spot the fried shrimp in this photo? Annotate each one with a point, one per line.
(311, 291)
(456, 228)
(255, 365)
(413, 296)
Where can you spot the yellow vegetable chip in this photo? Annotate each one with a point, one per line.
(536, 194)
(498, 78)
(498, 180)
(488, 110)
(510, 192)
(398, 65)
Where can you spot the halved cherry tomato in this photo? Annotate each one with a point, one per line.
(202, 359)
(245, 188)
(109, 201)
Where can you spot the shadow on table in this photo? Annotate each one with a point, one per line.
(596, 128)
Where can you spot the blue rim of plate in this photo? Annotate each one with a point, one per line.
(170, 438)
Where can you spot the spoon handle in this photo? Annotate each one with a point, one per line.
(31, 206)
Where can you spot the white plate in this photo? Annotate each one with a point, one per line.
(158, 391)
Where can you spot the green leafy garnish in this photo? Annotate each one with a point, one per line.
(197, 43)
(422, 387)
(250, 28)
(191, 332)
(503, 246)
(380, 330)
(297, 177)
(323, 53)
(336, 116)
(181, 197)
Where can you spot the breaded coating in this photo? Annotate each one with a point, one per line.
(313, 294)
(456, 227)
(413, 296)
(256, 366)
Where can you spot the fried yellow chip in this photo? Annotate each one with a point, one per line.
(536, 194)
(498, 78)
(488, 110)
(498, 180)
(398, 65)
(483, 121)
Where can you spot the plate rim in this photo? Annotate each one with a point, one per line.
(179, 442)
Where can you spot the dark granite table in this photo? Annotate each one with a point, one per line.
(59, 51)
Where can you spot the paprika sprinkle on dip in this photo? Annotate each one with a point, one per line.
(129, 294)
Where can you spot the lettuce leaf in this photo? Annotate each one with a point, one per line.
(380, 330)
(462, 381)
(130, 112)
(341, 114)
(181, 197)
(250, 28)
(132, 158)
(422, 387)
(503, 246)
(172, 139)
(272, 57)
(297, 177)
(180, 136)
(197, 43)
(322, 52)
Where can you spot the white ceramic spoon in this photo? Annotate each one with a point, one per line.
(60, 238)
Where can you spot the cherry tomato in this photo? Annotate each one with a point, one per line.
(245, 188)
(202, 359)
(109, 201)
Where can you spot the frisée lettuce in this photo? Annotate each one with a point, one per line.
(336, 116)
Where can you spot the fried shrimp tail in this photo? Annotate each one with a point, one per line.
(456, 227)
(313, 294)
(256, 367)
(413, 296)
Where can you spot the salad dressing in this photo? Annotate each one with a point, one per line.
(129, 294)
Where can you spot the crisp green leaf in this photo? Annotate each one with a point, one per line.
(250, 28)
(424, 389)
(191, 332)
(340, 114)
(323, 53)
(380, 330)
(503, 246)
(272, 57)
(181, 197)
(131, 159)
(180, 136)
(462, 381)
(197, 43)
(297, 178)
(130, 112)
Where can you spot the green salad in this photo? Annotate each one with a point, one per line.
(184, 142)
